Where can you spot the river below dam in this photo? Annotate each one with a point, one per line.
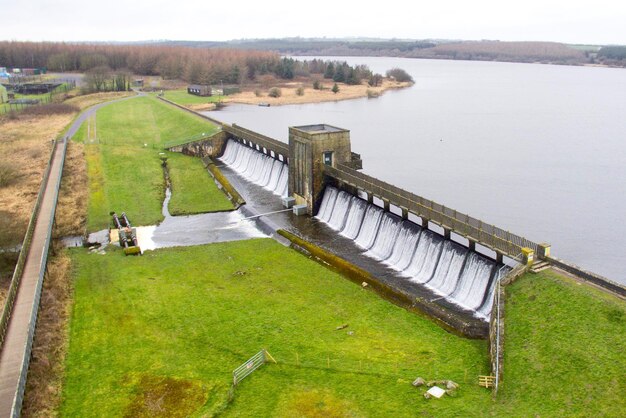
(539, 150)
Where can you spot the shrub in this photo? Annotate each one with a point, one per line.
(372, 94)
(258, 93)
(335, 88)
(8, 173)
(300, 91)
(317, 85)
(375, 80)
(50, 109)
(275, 92)
(399, 75)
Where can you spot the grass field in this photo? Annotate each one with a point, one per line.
(153, 326)
(193, 189)
(564, 349)
(124, 166)
(170, 334)
(183, 98)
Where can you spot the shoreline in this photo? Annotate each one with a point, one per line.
(289, 94)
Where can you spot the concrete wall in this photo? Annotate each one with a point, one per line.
(596, 279)
(212, 147)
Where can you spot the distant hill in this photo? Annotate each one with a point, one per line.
(484, 50)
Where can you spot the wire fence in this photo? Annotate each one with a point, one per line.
(425, 364)
(21, 103)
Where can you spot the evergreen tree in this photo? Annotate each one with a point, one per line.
(330, 71)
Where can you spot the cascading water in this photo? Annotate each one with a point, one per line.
(339, 213)
(257, 167)
(448, 269)
(404, 247)
(386, 237)
(463, 277)
(369, 228)
(355, 218)
(425, 258)
(327, 205)
(474, 280)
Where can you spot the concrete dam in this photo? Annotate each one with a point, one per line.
(433, 258)
(464, 277)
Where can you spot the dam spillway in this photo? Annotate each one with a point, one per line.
(256, 167)
(450, 270)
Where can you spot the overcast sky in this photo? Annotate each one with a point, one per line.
(571, 21)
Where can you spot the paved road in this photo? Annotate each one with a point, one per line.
(15, 354)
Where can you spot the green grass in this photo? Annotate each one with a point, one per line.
(183, 98)
(124, 166)
(193, 189)
(564, 349)
(157, 327)
(184, 318)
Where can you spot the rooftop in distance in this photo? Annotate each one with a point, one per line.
(320, 128)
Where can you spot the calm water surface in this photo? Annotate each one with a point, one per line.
(536, 149)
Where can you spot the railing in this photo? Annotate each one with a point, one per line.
(262, 140)
(497, 321)
(486, 234)
(18, 272)
(19, 268)
(251, 365)
(187, 140)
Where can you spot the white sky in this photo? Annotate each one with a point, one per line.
(571, 21)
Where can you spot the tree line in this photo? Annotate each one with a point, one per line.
(109, 65)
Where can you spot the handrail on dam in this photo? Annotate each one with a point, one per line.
(471, 228)
(262, 140)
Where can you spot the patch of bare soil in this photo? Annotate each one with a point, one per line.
(71, 212)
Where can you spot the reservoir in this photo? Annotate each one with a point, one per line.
(536, 149)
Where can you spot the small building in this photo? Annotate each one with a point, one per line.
(199, 90)
(138, 83)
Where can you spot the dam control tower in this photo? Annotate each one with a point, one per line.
(311, 147)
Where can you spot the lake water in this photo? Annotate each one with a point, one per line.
(539, 150)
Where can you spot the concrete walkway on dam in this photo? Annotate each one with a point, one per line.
(260, 201)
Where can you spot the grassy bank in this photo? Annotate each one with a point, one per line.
(124, 164)
(173, 332)
(152, 327)
(193, 189)
(564, 349)
(183, 98)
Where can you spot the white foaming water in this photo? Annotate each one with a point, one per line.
(355, 218)
(475, 277)
(404, 247)
(277, 168)
(327, 205)
(339, 214)
(369, 229)
(485, 310)
(257, 167)
(448, 269)
(425, 258)
(386, 237)
(461, 276)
